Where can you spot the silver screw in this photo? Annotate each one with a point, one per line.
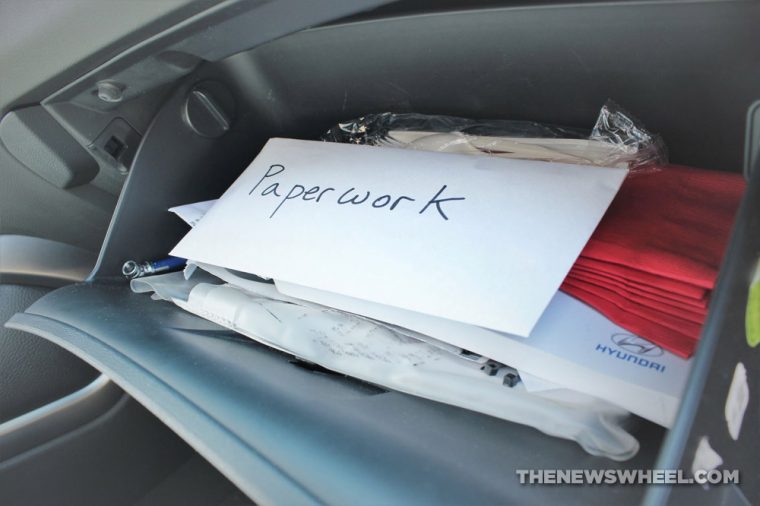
(109, 91)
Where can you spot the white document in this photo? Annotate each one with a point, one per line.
(572, 346)
(192, 213)
(474, 239)
(270, 291)
(363, 349)
(536, 384)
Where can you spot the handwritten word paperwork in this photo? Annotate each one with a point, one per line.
(350, 196)
(475, 239)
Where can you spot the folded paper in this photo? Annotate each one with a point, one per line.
(478, 240)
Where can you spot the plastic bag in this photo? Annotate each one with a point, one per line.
(373, 129)
(637, 146)
(386, 354)
(617, 139)
(378, 353)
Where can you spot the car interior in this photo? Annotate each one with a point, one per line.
(111, 113)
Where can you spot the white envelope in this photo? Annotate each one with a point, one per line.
(474, 239)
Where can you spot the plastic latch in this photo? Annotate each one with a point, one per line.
(752, 140)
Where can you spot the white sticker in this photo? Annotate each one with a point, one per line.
(736, 401)
(705, 458)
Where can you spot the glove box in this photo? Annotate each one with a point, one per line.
(287, 433)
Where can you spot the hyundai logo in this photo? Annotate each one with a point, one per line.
(637, 345)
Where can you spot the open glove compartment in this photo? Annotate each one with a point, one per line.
(287, 434)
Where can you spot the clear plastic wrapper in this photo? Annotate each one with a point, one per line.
(638, 147)
(373, 129)
(616, 140)
(380, 354)
(388, 355)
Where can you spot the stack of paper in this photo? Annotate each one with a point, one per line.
(394, 358)
(474, 239)
(465, 251)
(652, 262)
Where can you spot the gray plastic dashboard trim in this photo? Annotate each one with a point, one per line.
(34, 261)
(57, 418)
(232, 25)
(254, 474)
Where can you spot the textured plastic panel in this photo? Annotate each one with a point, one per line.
(115, 459)
(550, 63)
(287, 435)
(520, 63)
(722, 346)
(33, 371)
(33, 261)
(48, 43)
(39, 426)
(752, 140)
(41, 144)
(228, 28)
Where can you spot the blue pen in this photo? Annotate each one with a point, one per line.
(132, 269)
